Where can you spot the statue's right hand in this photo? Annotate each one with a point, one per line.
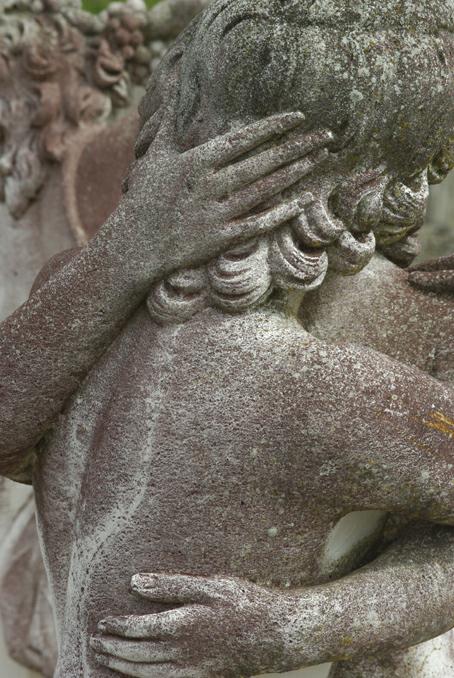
(436, 275)
(187, 207)
(218, 627)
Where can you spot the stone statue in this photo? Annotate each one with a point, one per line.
(69, 83)
(425, 292)
(174, 414)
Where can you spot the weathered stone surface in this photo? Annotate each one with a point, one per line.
(340, 310)
(168, 19)
(65, 146)
(191, 424)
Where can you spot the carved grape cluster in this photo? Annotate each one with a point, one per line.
(76, 69)
(125, 27)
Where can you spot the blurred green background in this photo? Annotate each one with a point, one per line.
(96, 6)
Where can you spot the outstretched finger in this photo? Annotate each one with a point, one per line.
(178, 588)
(223, 149)
(249, 198)
(148, 133)
(239, 175)
(165, 134)
(140, 670)
(135, 651)
(161, 626)
(265, 222)
(445, 263)
(441, 282)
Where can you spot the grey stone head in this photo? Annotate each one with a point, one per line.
(378, 73)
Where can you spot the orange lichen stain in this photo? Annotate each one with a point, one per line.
(441, 423)
(419, 444)
(347, 640)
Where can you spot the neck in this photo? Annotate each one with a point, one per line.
(377, 308)
(287, 302)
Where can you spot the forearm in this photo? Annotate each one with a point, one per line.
(48, 345)
(403, 598)
(171, 217)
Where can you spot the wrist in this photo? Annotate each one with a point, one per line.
(125, 247)
(313, 632)
(294, 620)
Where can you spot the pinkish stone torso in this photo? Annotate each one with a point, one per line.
(213, 479)
(149, 471)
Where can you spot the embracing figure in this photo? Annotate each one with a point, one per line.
(158, 387)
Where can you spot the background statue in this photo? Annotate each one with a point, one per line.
(349, 256)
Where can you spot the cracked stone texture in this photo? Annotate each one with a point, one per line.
(415, 129)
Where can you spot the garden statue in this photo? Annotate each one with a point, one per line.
(426, 293)
(197, 394)
(69, 83)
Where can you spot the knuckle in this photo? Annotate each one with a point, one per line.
(190, 183)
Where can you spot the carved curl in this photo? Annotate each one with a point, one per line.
(296, 257)
(378, 199)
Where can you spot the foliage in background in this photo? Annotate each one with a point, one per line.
(96, 6)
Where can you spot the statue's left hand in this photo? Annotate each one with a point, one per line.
(436, 275)
(219, 627)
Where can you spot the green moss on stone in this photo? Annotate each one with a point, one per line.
(96, 6)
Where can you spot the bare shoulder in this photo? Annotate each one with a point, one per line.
(353, 374)
(339, 381)
(366, 405)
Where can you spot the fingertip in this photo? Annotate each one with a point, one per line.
(306, 199)
(289, 121)
(296, 116)
(140, 582)
(134, 579)
(111, 624)
(420, 276)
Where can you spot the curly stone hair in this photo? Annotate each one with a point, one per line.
(382, 82)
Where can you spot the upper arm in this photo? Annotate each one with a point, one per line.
(391, 430)
(21, 471)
